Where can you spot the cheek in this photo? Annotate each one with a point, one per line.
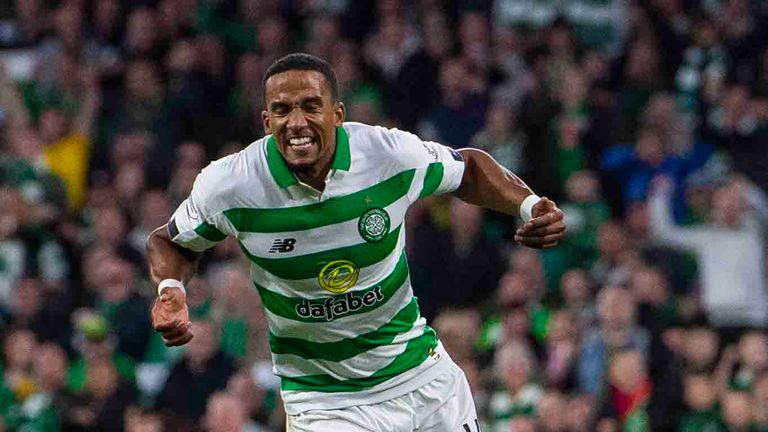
(272, 124)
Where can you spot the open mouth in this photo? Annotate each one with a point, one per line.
(301, 143)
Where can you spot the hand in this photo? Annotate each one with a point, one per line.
(170, 317)
(545, 229)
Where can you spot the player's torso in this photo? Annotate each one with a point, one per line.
(335, 259)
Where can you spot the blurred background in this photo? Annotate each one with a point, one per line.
(646, 120)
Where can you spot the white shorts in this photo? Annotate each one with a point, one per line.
(443, 405)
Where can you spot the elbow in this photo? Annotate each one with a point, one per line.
(158, 234)
(474, 173)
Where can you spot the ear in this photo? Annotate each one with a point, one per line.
(339, 113)
(265, 121)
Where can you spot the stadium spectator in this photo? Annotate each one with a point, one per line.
(576, 291)
(461, 110)
(636, 166)
(629, 394)
(737, 411)
(700, 349)
(102, 404)
(253, 398)
(613, 248)
(561, 352)
(225, 413)
(519, 391)
(501, 138)
(548, 411)
(760, 399)
(202, 370)
(702, 411)
(139, 420)
(741, 209)
(617, 330)
(461, 264)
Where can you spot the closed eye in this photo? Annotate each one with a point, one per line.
(278, 108)
(312, 104)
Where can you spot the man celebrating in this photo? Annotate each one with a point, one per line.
(318, 207)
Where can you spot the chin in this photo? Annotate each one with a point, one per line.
(301, 164)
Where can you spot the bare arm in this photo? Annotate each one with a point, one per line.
(490, 185)
(486, 183)
(170, 314)
(167, 260)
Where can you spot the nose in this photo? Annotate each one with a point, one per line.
(296, 119)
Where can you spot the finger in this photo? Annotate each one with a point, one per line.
(181, 340)
(167, 326)
(172, 325)
(545, 219)
(545, 230)
(540, 240)
(172, 334)
(543, 206)
(549, 245)
(534, 245)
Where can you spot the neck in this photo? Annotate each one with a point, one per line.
(314, 178)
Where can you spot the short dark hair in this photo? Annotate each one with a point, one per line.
(302, 61)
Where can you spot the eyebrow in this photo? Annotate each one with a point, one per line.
(315, 99)
(309, 99)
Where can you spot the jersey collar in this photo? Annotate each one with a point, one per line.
(342, 159)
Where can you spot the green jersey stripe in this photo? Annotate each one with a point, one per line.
(293, 308)
(415, 353)
(309, 266)
(432, 179)
(331, 211)
(347, 348)
(210, 232)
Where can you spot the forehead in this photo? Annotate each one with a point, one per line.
(296, 84)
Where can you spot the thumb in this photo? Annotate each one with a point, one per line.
(542, 207)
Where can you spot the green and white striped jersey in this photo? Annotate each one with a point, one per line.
(344, 326)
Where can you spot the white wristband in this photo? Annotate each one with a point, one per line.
(527, 206)
(165, 283)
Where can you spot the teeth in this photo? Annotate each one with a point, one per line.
(300, 141)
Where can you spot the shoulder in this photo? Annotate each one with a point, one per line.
(379, 137)
(390, 144)
(221, 173)
(222, 179)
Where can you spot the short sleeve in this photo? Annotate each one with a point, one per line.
(197, 224)
(439, 168)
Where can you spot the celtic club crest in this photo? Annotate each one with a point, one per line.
(373, 224)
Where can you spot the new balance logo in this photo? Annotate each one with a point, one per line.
(282, 245)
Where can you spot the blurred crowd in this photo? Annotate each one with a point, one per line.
(646, 120)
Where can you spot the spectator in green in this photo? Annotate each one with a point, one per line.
(236, 312)
(102, 404)
(501, 138)
(519, 392)
(702, 412)
(96, 345)
(584, 211)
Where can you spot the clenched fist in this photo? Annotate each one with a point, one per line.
(545, 229)
(170, 317)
